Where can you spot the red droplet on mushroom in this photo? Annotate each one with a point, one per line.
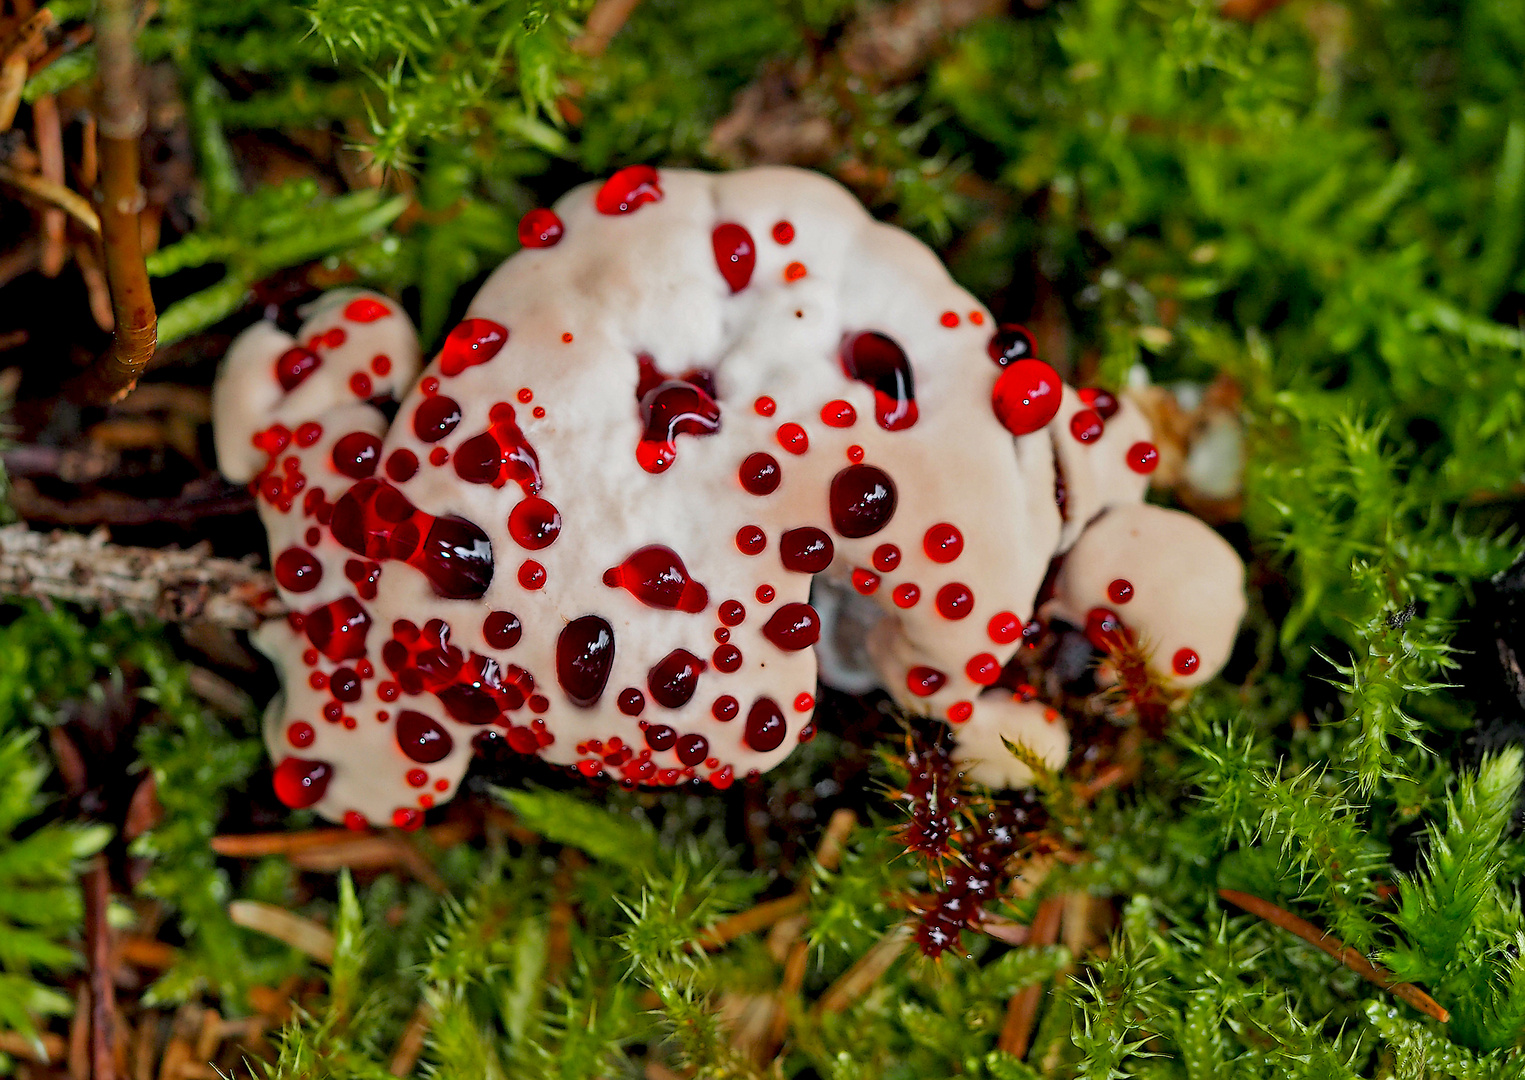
(534, 523)
(732, 613)
(735, 254)
(356, 455)
(943, 543)
(760, 474)
(673, 407)
(660, 737)
(906, 595)
(502, 629)
(1185, 661)
(855, 454)
(886, 558)
(366, 309)
(408, 819)
(376, 520)
(722, 635)
(862, 501)
(793, 438)
(584, 657)
(531, 575)
(1004, 628)
(949, 319)
(765, 406)
(631, 701)
(876, 359)
(725, 708)
(764, 593)
(673, 679)
(300, 783)
(500, 454)
(693, 749)
(381, 365)
(540, 228)
(983, 668)
(793, 627)
(308, 433)
(436, 417)
(402, 465)
(344, 684)
(1143, 457)
(924, 681)
(1086, 426)
(783, 233)
(1105, 630)
(655, 575)
(630, 188)
(423, 740)
(839, 414)
(438, 456)
(1010, 343)
(960, 711)
(750, 540)
(806, 550)
(338, 629)
(296, 570)
(301, 734)
(360, 384)
(1120, 591)
(865, 581)
(294, 365)
(954, 600)
(416, 778)
(1102, 401)
(765, 725)
(1027, 396)
(471, 342)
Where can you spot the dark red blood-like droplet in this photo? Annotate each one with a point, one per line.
(421, 738)
(1103, 401)
(360, 384)
(344, 684)
(671, 408)
(764, 593)
(1185, 661)
(732, 613)
(301, 783)
(661, 737)
(943, 543)
(1105, 630)
(366, 309)
(1004, 628)
(436, 417)
(376, 520)
(793, 627)
(631, 701)
(502, 629)
(1120, 591)
(471, 342)
(531, 574)
(735, 254)
(765, 725)
(886, 558)
(356, 454)
(1143, 457)
(534, 523)
(873, 358)
(540, 228)
(296, 570)
(673, 679)
(693, 749)
(300, 734)
(924, 681)
(338, 629)
(1026, 396)
(632, 187)
(1010, 344)
(584, 655)
(760, 474)
(983, 668)
(805, 550)
(309, 433)
(838, 414)
(402, 465)
(862, 501)
(500, 454)
(954, 600)
(726, 658)
(656, 576)
(750, 540)
(725, 708)
(1086, 426)
(294, 365)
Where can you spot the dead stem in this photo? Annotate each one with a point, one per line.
(604, 21)
(44, 1049)
(47, 130)
(1022, 1010)
(301, 934)
(755, 918)
(103, 1034)
(411, 1045)
(855, 981)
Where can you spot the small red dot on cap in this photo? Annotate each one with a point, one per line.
(855, 453)
(950, 319)
(783, 233)
(1143, 457)
(360, 383)
(538, 413)
(765, 406)
(906, 595)
(960, 711)
(977, 318)
(381, 365)
(526, 395)
(566, 337)
(794, 271)
(1120, 591)
(804, 703)
(1185, 661)
(438, 456)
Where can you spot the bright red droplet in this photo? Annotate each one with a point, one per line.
(1027, 396)
(673, 679)
(855, 454)
(906, 595)
(924, 681)
(886, 558)
(534, 523)
(338, 629)
(296, 570)
(438, 456)
(584, 656)
(1011, 343)
(765, 406)
(365, 309)
(407, 819)
(960, 711)
(862, 501)
(1104, 402)
(792, 438)
(760, 474)
(655, 575)
(725, 708)
(866, 582)
(360, 384)
(377, 521)
(806, 550)
(1086, 426)
(1105, 630)
(839, 414)
(531, 575)
(1143, 457)
(632, 187)
(471, 342)
(540, 228)
(1120, 591)
(804, 703)
(764, 593)
(1185, 661)
(750, 540)
(308, 433)
(421, 738)
(735, 254)
(983, 668)
(300, 734)
(381, 365)
(765, 725)
(673, 407)
(417, 778)
(631, 701)
(300, 783)
(943, 543)
(954, 601)
(949, 319)
(878, 360)
(294, 365)
(502, 629)
(500, 454)
(793, 627)
(1004, 628)
(783, 232)
(436, 417)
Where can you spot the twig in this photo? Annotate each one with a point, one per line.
(122, 121)
(259, 845)
(604, 21)
(155, 583)
(755, 918)
(103, 1034)
(1022, 1009)
(411, 1045)
(47, 130)
(1332, 945)
(301, 934)
(53, 194)
(856, 980)
(12, 83)
(43, 1049)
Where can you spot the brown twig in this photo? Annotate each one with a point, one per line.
(1332, 945)
(411, 1045)
(755, 918)
(122, 120)
(604, 21)
(103, 1034)
(47, 130)
(43, 1049)
(260, 845)
(12, 83)
(52, 194)
(301, 934)
(1022, 1009)
(855, 981)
